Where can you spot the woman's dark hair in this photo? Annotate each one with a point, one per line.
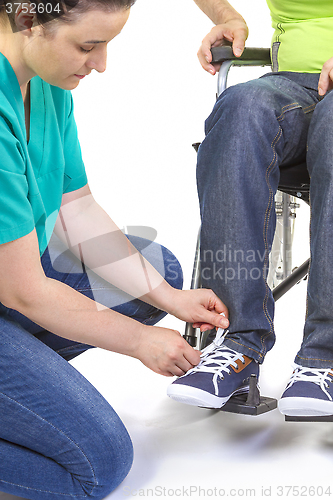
(66, 10)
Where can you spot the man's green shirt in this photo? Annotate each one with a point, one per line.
(303, 37)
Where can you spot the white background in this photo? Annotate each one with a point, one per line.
(136, 124)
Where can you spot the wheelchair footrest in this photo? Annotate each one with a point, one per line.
(238, 404)
(250, 403)
(318, 418)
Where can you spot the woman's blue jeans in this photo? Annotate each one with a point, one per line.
(59, 438)
(255, 128)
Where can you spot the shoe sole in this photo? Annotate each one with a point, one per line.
(305, 407)
(197, 397)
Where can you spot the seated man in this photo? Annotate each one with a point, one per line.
(284, 117)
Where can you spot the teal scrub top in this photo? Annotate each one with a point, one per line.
(34, 176)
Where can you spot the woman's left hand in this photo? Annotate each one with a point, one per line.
(200, 307)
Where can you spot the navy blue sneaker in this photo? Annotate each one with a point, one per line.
(221, 373)
(309, 393)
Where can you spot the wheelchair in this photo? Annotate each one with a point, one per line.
(294, 185)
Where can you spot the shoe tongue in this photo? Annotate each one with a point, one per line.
(221, 360)
(316, 371)
(215, 356)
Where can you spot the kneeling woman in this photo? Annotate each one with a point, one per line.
(59, 438)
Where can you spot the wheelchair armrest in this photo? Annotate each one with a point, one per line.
(252, 56)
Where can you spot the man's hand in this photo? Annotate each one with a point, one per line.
(326, 78)
(165, 351)
(234, 31)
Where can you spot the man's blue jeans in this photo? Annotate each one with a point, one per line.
(255, 128)
(59, 438)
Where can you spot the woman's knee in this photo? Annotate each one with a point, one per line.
(173, 270)
(111, 460)
(162, 259)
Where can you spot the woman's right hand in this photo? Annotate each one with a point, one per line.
(165, 351)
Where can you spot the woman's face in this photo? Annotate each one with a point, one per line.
(73, 50)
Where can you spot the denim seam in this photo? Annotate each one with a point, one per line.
(315, 359)
(67, 437)
(310, 231)
(265, 226)
(42, 491)
(309, 108)
(287, 107)
(309, 268)
(293, 106)
(265, 230)
(243, 345)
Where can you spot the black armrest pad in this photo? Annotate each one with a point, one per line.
(258, 56)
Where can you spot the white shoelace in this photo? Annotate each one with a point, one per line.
(318, 376)
(216, 359)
